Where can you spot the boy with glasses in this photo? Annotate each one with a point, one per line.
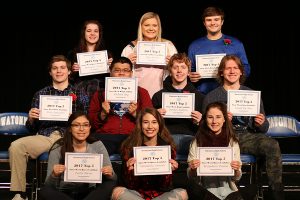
(113, 122)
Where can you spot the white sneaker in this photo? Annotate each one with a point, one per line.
(18, 197)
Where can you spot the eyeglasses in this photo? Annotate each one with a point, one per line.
(79, 126)
(126, 70)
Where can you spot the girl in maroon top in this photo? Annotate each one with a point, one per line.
(150, 130)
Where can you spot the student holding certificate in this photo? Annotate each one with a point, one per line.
(150, 76)
(249, 129)
(179, 67)
(215, 42)
(77, 139)
(114, 121)
(91, 39)
(46, 132)
(215, 130)
(150, 130)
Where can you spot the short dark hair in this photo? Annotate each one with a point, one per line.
(58, 58)
(121, 60)
(212, 11)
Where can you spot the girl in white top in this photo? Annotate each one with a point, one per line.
(215, 130)
(149, 76)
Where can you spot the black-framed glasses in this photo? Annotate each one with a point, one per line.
(79, 126)
(125, 71)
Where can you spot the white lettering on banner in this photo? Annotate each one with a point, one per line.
(285, 122)
(13, 120)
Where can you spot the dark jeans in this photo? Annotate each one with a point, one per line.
(259, 144)
(197, 192)
(101, 192)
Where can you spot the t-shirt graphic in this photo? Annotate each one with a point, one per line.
(119, 108)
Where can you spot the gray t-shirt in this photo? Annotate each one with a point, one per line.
(240, 123)
(55, 157)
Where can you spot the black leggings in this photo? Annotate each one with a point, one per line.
(197, 192)
(101, 192)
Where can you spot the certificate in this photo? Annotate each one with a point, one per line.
(121, 89)
(243, 102)
(55, 108)
(152, 160)
(83, 167)
(207, 64)
(92, 63)
(178, 105)
(215, 161)
(151, 53)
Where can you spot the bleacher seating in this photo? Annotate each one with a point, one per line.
(281, 126)
(286, 129)
(12, 127)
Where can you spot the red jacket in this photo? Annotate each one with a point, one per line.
(113, 124)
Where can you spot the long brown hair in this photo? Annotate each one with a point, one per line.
(82, 46)
(66, 142)
(204, 131)
(135, 139)
(224, 60)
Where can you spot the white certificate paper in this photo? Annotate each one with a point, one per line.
(178, 105)
(151, 53)
(92, 63)
(152, 160)
(121, 89)
(83, 167)
(55, 108)
(207, 64)
(215, 161)
(243, 102)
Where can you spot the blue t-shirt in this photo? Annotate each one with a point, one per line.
(204, 45)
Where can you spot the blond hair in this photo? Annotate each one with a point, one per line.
(150, 15)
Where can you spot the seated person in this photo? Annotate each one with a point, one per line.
(150, 130)
(249, 129)
(215, 130)
(46, 132)
(77, 139)
(179, 67)
(113, 122)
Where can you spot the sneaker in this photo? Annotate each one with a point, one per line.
(18, 197)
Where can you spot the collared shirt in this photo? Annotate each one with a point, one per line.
(46, 127)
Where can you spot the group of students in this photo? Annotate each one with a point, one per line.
(97, 125)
